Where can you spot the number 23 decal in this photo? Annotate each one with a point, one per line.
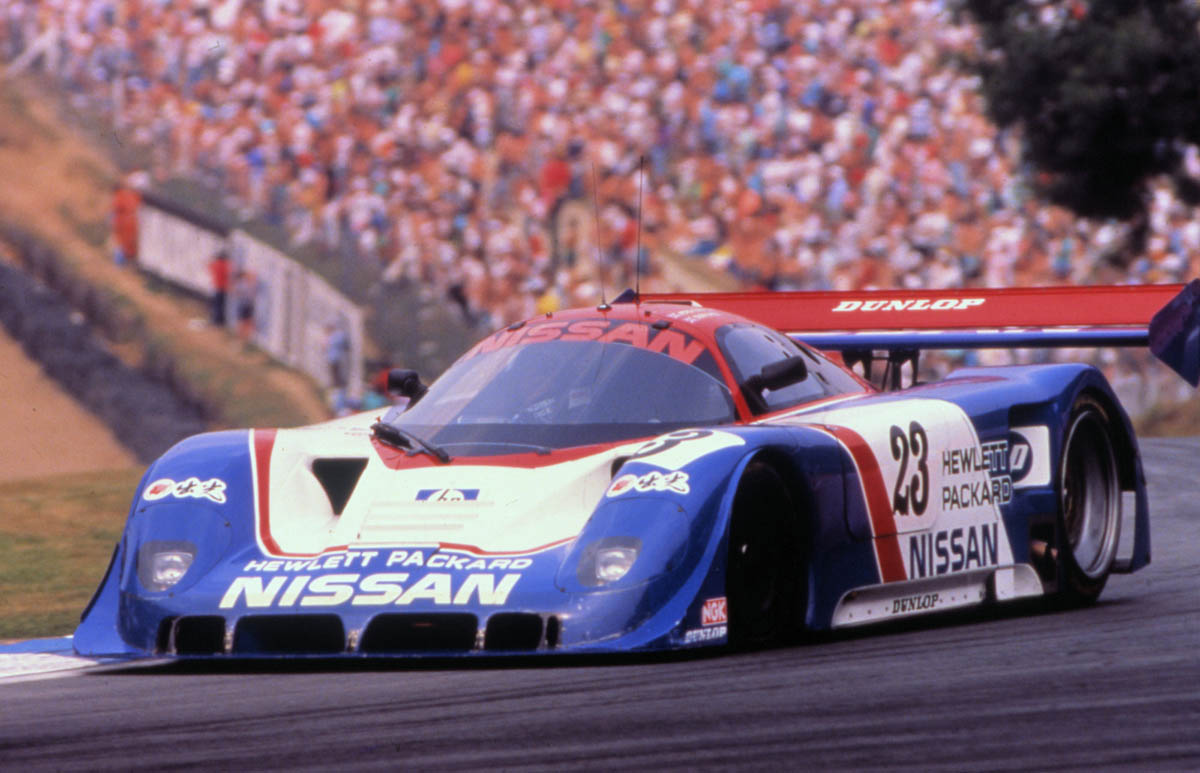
(910, 492)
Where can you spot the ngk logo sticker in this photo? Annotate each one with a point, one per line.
(714, 612)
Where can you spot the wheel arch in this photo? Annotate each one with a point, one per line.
(1082, 576)
(1130, 476)
(1123, 438)
(786, 463)
(793, 478)
(767, 556)
(1055, 411)
(801, 464)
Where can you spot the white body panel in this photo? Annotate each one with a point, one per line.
(482, 508)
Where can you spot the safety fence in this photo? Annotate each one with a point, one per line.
(297, 315)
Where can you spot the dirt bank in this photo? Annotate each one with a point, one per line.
(43, 430)
(59, 192)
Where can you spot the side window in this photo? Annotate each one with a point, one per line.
(832, 376)
(749, 347)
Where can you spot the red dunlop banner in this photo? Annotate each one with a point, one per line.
(1124, 305)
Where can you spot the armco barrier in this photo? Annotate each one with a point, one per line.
(176, 246)
(295, 309)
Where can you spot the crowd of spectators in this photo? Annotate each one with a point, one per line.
(457, 143)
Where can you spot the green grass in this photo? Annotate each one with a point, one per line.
(93, 232)
(240, 396)
(87, 170)
(56, 537)
(18, 108)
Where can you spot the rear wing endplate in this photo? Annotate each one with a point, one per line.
(1164, 317)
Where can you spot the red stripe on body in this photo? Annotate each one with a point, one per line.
(814, 406)
(879, 505)
(403, 459)
(264, 443)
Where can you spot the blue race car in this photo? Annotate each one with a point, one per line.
(659, 473)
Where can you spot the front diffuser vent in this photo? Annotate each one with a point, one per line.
(513, 631)
(435, 632)
(199, 635)
(338, 477)
(289, 635)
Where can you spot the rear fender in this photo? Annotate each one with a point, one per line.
(1054, 413)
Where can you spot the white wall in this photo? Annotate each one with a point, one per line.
(293, 304)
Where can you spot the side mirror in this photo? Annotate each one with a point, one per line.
(406, 383)
(775, 375)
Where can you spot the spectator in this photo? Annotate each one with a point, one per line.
(218, 271)
(125, 203)
(337, 358)
(807, 143)
(377, 395)
(245, 296)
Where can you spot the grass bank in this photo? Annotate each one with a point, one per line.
(56, 537)
(54, 222)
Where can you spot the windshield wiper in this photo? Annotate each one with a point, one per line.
(402, 438)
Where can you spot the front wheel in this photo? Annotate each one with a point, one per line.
(764, 583)
(1089, 519)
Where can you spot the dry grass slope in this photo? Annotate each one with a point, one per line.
(56, 537)
(59, 190)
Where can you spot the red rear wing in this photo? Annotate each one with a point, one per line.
(1123, 306)
(1165, 317)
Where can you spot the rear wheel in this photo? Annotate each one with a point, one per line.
(1089, 519)
(765, 581)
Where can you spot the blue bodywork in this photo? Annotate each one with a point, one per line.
(347, 607)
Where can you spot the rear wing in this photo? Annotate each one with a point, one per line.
(903, 322)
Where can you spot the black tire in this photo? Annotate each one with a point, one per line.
(764, 584)
(1089, 514)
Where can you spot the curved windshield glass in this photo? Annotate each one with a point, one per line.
(556, 394)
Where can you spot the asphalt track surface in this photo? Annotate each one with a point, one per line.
(1113, 686)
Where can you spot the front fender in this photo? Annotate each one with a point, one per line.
(197, 496)
(673, 497)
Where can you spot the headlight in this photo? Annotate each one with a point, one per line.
(163, 564)
(608, 560)
(614, 563)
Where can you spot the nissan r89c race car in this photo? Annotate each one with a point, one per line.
(661, 472)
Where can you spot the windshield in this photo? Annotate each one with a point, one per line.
(556, 394)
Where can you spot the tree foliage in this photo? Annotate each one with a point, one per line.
(1106, 94)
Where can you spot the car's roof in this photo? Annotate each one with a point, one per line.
(681, 330)
(691, 318)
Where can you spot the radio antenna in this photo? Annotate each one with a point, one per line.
(637, 266)
(596, 214)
